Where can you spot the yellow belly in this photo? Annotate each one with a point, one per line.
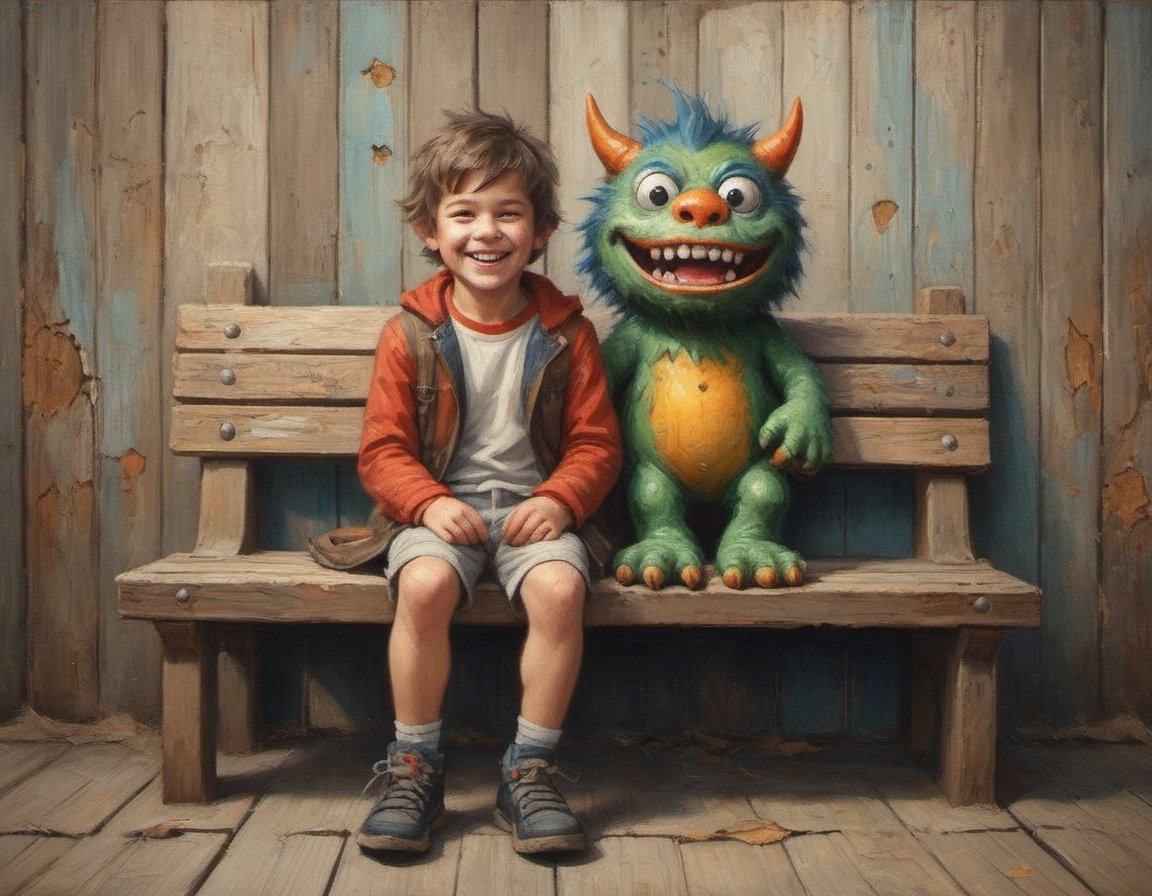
(701, 421)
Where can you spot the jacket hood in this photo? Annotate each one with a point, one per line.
(429, 300)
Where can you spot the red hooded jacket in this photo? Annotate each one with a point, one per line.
(390, 465)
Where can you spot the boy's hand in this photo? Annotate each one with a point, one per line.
(454, 521)
(537, 519)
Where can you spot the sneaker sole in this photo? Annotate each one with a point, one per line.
(555, 843)
(386, 843)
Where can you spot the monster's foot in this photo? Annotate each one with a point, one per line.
(658, 558)
(765, 563)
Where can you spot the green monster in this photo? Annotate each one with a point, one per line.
(694, 238)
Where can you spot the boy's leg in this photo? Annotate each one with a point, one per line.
(419, 659)
(528, 803)
(553, 597)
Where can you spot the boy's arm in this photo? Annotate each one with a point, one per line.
(591, 451)
(390, 467)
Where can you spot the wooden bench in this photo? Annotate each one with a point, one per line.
(907, 391)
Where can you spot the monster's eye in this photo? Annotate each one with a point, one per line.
(741, 193)
(655, 191)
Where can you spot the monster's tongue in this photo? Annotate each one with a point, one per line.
(700, 274)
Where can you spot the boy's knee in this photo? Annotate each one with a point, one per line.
(428, 590)
(555, 590)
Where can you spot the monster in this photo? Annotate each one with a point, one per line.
(694, 238)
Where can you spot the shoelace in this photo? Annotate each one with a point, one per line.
(407, 781)
(533, 789)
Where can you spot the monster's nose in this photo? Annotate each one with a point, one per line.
(704, 208)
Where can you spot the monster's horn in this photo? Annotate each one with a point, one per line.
(776, 152)
(615, 150)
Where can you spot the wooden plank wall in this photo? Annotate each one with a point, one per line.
(1003, 147)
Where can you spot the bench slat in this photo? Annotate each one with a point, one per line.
(288, 587)
(320, 431)
(852, 387)
(349, 330)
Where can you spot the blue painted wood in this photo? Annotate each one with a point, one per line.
(373, 158)
(811, 684)
(877, 666)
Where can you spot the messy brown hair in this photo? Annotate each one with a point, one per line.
(487, 142)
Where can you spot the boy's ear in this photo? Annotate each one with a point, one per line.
(543, 234)
(427, 236)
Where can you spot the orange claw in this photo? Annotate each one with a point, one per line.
(766, 577)
(624, 574)
(794, 576)
(780, 457)
(692, 576)
(733, 578)
(653, 578)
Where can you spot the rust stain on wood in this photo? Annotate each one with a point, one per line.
(1005, 243)
(882, 214)
(380, 73)
(1126, 497)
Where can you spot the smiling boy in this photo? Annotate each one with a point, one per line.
(497, 466)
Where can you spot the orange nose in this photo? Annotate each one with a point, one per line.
(703, 208)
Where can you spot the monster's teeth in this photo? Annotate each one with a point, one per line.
(738, 257)
(657, 274)
(655, 253)
(669, 277)
(727, 255)
(684, 252)
(713, 254)
(669, 253)
(699, 252)
(730, 276)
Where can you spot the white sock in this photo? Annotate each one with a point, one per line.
(531, 734)
(425, 735)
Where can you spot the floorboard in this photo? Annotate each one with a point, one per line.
(1074, 819)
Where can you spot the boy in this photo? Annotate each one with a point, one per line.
(517, 447)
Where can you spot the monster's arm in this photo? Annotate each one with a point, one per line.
(797, 434)
(620, 350)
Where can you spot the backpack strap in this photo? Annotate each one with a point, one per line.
(419, 336)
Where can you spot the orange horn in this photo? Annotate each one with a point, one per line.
(776, 152)
(615, 150)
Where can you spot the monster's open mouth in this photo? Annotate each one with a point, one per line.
(699, 266)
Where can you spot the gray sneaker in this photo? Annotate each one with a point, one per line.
(411, 800)
(529, 805)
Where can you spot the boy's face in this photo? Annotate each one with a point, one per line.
(486, 237)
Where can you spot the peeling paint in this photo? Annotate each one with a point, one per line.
(1080, 361)
(882, 214)
(1005, 243)
(55, 370)
(1126, 497)
(381, 155)
(132, 464)
(380, 73)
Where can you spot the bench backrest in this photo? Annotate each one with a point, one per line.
(905, 390)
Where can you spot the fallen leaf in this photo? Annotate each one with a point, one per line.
(753, 832)
(1021, 872)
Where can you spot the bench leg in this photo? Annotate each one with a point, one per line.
(968, 759)
(188, 728)
(239, 687)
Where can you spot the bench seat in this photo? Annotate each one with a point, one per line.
(289, 587)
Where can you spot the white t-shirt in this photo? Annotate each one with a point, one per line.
(494, 450)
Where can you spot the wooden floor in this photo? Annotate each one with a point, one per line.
(85, 817)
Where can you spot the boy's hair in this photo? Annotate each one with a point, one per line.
(487, 142)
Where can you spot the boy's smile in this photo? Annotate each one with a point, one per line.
(486, 237)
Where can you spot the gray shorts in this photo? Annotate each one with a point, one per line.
(509, 564)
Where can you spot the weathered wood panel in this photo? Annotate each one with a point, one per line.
(1126, 536)
(59, 356)
(13, 654)
(1072, 345)
(128, 324)
(216, 178)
